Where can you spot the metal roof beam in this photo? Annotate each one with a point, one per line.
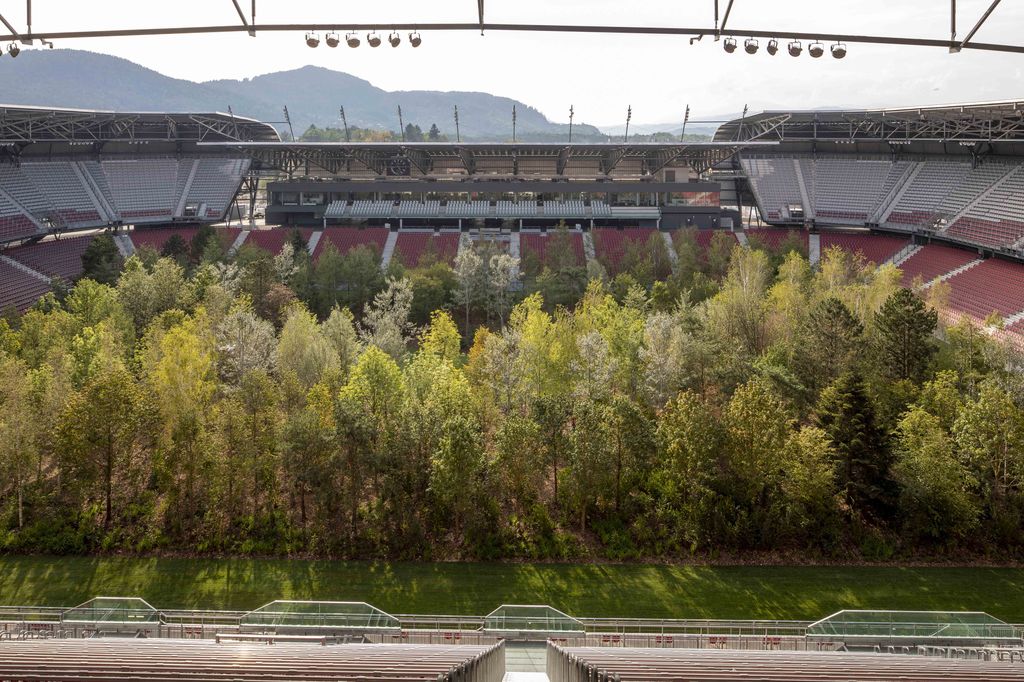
(241, 15)
(984, 18)
(529, 28)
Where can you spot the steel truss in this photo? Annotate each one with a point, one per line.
(972, 123)
(399, 159)
(29, 125)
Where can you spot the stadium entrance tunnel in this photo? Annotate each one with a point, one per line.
(882, 630)
(319, 617)
(531, 622)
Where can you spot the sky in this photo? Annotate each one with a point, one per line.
(600, 75)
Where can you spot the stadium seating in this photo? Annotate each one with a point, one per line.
(923, 196)
(142, 190)
(156, 237)
(610, 246)
(273, 240)
(165, 659)
(214, 184)
(848, 190)
(600, 209)
(371, 209)
(468, 209)
(994, 285)
(63, 187)
(54, 257)
(536, 243)
(614, 663)
(513, 209)
(14, 223)
(876, 248)
(419, 209)
(411, 246)
(18, 288)
(774, 238)
(775, 183)
(344, 239)
(934, 260)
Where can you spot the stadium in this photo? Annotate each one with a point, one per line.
(932, 190)
(357, 404)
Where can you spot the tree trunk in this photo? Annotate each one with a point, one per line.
(110, 476)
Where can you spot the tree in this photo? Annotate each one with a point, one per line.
(468, 269)
(502, 275)
(808, 486)
(101, 260)
(904, 344)
(176, 249)
(303, 352)
(989, 433)
(18, 446)
(936, 502)
(99, 426)
(831, 343)
(245, 343)
(435, 133)
(386, 320)
(689, 445)
(847, 416)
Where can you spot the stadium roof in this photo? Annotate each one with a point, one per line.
(381, 156)
(25, 125)
(966, 123)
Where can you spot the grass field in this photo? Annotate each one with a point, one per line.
(475, 589)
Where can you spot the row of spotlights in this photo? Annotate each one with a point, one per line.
(352, 39)
(796, 48)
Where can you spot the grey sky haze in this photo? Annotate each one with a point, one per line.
(599, 74)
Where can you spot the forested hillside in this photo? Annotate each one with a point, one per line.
(191, 403)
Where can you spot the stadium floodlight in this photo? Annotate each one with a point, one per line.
(816, 49)
(373, 40)
(795, 48)
(352, 39)
(773, 47)
(839, 50)
(415, 39)
(13, 50)
(730, 45)
(312, 39)
(332, 40)
(750, 45)
(395, 39)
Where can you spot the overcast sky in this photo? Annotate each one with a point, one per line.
(598, 74)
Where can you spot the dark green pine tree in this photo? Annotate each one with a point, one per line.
(846, 414)
(903, 341)
(176, 249)
(833, 340)
(101, 260)
(435, 133)
(298, 243)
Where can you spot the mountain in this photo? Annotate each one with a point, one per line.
(313, 95)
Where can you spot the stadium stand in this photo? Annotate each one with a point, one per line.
(934, 260)
(843, 190)
(411, 246)
(594, 664)
(14, 224)
(55, 257)
(142, 190)
(611, 245)
(213, 185)
(63, 186)
(273, 240)
(156, 237)
(141, 659)
(346, 239)
(875, 248)
(774, 238)
(775, 183)
(18, 288)
(994, 285)
(537, 243)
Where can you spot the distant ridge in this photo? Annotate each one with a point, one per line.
(82, 79)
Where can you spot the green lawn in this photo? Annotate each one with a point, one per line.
(475, 589)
